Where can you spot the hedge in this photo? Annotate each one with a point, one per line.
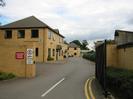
(90, 56)
(120, 81)
(5, 76)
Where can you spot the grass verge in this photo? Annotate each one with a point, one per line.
(120, 82)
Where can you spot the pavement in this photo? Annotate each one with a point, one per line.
(63, 80)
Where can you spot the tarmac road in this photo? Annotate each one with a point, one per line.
(61, 80)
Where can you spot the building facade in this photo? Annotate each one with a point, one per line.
(73, 50)
(47, 42)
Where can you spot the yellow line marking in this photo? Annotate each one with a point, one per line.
(90, 90)
(86, 91)
(89, 95)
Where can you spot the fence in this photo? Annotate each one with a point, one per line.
(101, 65)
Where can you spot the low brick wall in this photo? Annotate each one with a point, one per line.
(9, 63)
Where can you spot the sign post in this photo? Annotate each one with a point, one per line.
(29, 56)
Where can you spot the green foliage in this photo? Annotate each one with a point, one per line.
(5, 76)
(90, 56)
(77, 42)
(82, 45)
(120, 81)
(50, 58)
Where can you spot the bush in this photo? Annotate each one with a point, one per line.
(120, 81)
(5, 76)
(50, 58)
(90, 56)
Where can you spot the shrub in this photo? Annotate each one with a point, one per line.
(120, 81)
(90, 56)
(5, 76)
(50, 58)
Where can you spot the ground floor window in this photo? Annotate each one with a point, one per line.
(36, 51)
(75, 54)
(49, 52)
(53, 52)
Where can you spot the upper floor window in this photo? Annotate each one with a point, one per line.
(75, 48)
(21, 33)
(8, 34)
(49, 34)
(34, 33)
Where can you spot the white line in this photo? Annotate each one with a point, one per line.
(44, 94)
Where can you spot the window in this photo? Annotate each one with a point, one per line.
(75, 54)
(49, 34)
(36, 51)
(21, 33)
(59, 53)
(53, 52)
(75, 48)
(34, 34)
(49, 52)
(8, 34)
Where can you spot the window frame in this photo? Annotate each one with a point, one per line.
(6, 35)
(19, 35)
(35, 35)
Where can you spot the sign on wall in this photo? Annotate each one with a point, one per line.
(19, 55)
(29, 56)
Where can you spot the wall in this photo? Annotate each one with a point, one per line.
(112, 57)
(125, 58)
(9, 63)
(72, 51)
(119, 57)
(52, 44)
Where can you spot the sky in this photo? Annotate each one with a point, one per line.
(76, 19)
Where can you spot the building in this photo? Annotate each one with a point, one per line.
(120, 53)
(65, 50)
(48, 42)
(73, 50)
(123, 37)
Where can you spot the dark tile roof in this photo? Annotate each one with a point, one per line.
(57, 30)
(73, 45)
(28, 22)
(117, 31)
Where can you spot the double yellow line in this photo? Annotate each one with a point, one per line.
(88, 90)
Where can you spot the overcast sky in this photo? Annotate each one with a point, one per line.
(76, 19)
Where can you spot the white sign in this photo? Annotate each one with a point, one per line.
(29, 56)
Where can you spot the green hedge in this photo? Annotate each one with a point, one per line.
(5, 76)
(50, 58)
(90, 56)
(120, 82)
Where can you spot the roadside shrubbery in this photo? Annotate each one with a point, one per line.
(120, 82)
(90, 56)
(50, 58)
(5, 76)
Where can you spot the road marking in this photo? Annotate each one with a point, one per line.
(86, 91)
(89, 93)
(55, 85)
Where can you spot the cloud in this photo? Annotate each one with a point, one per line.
(76, 19)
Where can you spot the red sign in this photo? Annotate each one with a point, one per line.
(19, 55)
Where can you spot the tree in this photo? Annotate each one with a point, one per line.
(2, 3)
(77, 42)
(84, 45)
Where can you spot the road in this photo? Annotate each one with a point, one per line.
(63, 80)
